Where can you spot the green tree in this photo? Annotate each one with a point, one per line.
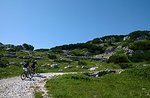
(28, 47)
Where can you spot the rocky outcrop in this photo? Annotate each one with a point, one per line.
(55, 66)
(99, 73)
(10, 54)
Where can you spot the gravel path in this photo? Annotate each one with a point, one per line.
(17, 88)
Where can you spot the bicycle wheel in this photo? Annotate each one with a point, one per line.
(34, 72)
(23, 76)
(37, 71)
(30, 75)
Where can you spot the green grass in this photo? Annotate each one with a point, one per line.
(38, 94)
(121, 85)
(10, 71)
(74, 64)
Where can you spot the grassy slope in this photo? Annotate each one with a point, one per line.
(110, 86)
(10, 71)
(15, 70)
(38, 94)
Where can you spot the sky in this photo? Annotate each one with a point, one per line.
(50, 23)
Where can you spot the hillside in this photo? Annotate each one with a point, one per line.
(134, 44)
(133, 47)
(118, 62)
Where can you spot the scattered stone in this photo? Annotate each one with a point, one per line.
(69, 66)
(99, 73)
(43, 65)
(84, 67)
(22, 63)
(93, 68)
(143, 88)
(55, 66)
(145, 65)
(12, 63)
(38, 57)
(60, 70)
(48, 64)
(17, 88)
(10, 54)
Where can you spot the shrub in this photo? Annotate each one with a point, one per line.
(140, 45)
(52, 56)
(82, 63)
(97, 41)
(140, 56)
(125, 65)
(119, 58)
(3, 62)
(1, 55)
(78, 52)
(63, 60)
(28, 47)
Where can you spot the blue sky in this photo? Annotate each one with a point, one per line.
(49, 23)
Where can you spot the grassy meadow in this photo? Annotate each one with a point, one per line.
(124, 85)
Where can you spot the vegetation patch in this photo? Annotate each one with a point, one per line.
(125, 65)
(10, 71)
(119, 58)
(121, 85)
(3, 62)
(142, 72)
(38, 94)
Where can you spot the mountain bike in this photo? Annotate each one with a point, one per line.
(34, 71)
(26, 74)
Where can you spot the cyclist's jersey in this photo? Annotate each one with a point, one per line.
(26, 65)
(33, 64)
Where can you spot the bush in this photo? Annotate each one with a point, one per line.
(3, 62)
(28, 47)
(119, 58)
(97, 41)
(140, 45)
(125, 65)
(140, 56)
(63, 60)
(52, 56)
(82, 63)
(78, 52)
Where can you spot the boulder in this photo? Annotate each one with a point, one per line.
(93, 68)
(109, 50)
(99, 73)
(55, 66)
(69, 66)
(43, 65)
(84, 67)
(12, 63)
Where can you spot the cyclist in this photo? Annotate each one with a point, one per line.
(26, 71)
(26, 67)
(34, 62)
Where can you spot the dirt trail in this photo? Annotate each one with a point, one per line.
(17, 88)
